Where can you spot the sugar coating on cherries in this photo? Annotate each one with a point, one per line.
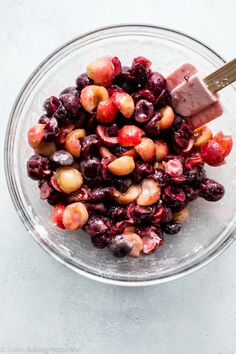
(113, 158)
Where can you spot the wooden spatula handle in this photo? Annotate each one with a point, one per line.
(222, 77)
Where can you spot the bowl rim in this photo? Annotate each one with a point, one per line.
(201, 262)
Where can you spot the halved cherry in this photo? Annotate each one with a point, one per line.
(35, 135)
(129, 196)
(57, 214)
(68, 179)
(150, 192)
(102, 133)
(130, 135)
(167, 119)
(106, 111)
(225, 141)
(150, 244)
(162, 150)
(136, 242)
(75, 216)
(201, 136)
(91, 95)
(72, 141)
(146, 149)
(103, 70)
(213, 153)
(124, 102)
(122, 166)
(174, 167)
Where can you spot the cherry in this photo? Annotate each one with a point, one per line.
(124, 102)
(225, 141)
(102, 70)
(56, 215)
(130, 135)
(146, 149)
(106, 111)
(213, 153)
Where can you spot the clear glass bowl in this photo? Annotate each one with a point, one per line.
(211, 226)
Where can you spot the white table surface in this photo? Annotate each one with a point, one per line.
(47, 308)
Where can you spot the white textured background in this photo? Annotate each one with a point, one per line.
(45, 307)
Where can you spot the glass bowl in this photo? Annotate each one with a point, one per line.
(211, 226)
